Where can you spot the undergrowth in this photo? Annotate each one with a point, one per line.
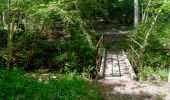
(15, 85)
(156, 54)
(150, 74)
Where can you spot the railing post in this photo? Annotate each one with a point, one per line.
(132, 58)
(98, 54)
(140, 57)
(97, 59)
(169, 76)
(140, 60)
(102, 41)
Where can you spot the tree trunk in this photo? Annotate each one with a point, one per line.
(136, 15)
(3, 20)
(9, 36)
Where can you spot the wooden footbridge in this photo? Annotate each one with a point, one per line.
(113, 63)
(117, 68)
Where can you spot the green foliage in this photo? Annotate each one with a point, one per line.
(75, 54)
(2, 5)
(154, 74)
(156, 58)
(34, 48)
(3, 37)
(14, 85)
(160, 47)
(33, 51)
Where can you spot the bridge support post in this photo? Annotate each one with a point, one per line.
(169, 76)
(132, 56)
(140, 60)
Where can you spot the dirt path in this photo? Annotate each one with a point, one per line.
(132, 90)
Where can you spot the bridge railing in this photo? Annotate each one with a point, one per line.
(135, 55)
(99, 52)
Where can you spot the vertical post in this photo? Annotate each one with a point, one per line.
(132, 58)
(102, 40)
(99, 54)
(97, 64)
(169, 76)
(140, 60)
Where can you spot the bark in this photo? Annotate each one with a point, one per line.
(9, 32)
(136, 15)
(3, 20)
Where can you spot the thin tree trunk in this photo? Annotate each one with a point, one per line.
(136, 15)
(149, 31)
(9, 36)
(145, 14)
(18, 22)
(153, 23)
(3, 20)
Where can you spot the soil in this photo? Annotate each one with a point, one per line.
(134, 90)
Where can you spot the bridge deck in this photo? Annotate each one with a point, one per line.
(117, 65)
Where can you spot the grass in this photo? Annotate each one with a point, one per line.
(160, 96)
(15, 86)
(150, 74)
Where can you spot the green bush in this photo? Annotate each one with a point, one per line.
(33, 51)
(156, 54)
(14, 85)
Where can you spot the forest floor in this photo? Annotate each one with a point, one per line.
(121, 89)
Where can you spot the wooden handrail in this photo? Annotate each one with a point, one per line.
(134, 50)
(99, 53)
(136, 62)
(134, 41)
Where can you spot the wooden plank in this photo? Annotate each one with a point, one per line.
(131, 71)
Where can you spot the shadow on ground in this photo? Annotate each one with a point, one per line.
(127, 91)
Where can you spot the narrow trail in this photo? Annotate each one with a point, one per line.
(118, 82)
